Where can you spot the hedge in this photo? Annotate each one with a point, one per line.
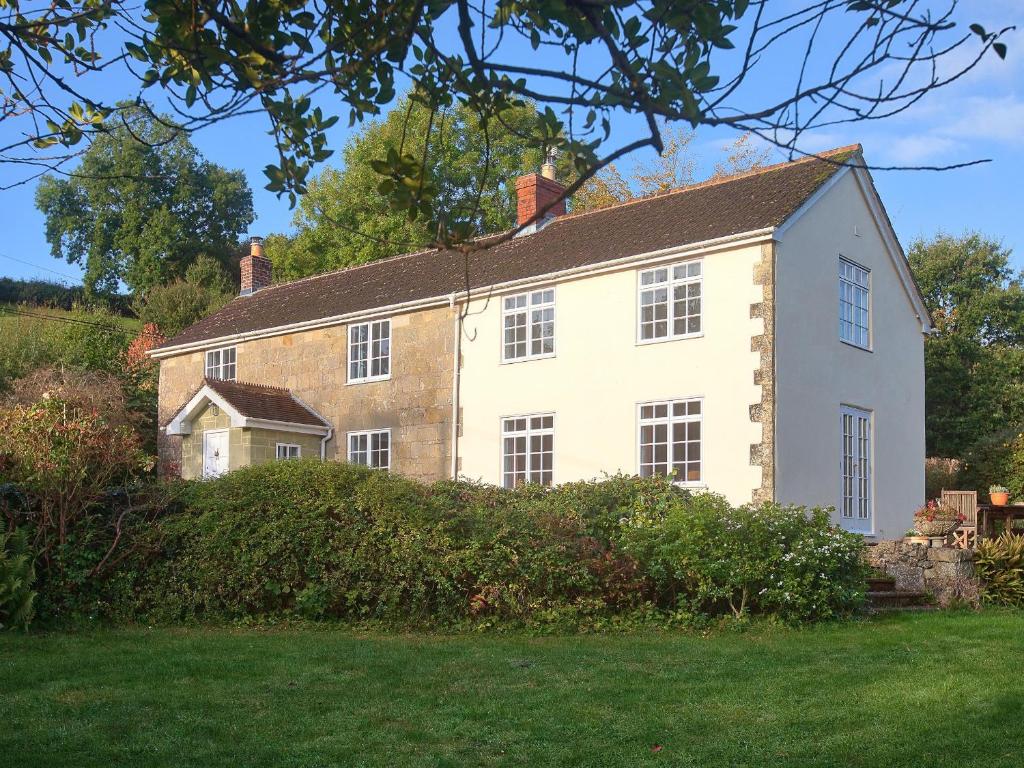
(325, 540)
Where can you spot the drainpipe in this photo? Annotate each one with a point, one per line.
(323, 443)
(456, 354)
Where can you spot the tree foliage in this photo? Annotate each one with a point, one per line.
(173, 306)
(649, 61)
(142, 205)
(974, 364)
(343, 219)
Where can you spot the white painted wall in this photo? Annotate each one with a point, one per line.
(817, 373)
(599, 374)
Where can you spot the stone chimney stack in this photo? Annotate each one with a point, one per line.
(255, 268)
(535, 191)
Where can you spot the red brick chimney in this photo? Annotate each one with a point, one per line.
(255, 268)
(535, 191)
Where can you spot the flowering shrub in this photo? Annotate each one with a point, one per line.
(780, 560)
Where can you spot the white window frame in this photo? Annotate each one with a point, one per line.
(526, 304)
(854, 290)
(528, 433)
(216, 370)
(668, 420)
(369, 435)
(669, 285)
(373, 336)
(287, 449)
(856, 508)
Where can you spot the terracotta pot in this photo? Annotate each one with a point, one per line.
(916, 540)
(999, 499)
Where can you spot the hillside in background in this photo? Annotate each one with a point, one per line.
(33, 336)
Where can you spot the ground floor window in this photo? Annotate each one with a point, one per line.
(670, 439)
(371, 448)
(856, 502)
(527, 449)
(288, 451)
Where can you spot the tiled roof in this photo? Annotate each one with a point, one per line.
(714, 209)
(258, 401)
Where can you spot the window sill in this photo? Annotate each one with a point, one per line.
(528, 359)
(367, 380)
(683, 337)
(855, 346)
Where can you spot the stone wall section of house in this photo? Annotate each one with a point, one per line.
(763, 412)
(945, 572)
(262, 444)
(415, 403)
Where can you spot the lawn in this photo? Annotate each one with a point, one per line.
(908, 690)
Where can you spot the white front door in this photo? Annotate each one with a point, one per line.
(215, 452)
(856, 500)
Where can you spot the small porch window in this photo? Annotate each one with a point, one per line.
(287, 451)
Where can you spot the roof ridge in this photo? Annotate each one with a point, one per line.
(715, 181)
(349, 268)
(689, 187)
(253, 384)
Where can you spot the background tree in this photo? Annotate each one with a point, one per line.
(676, 166)
(142, 205)
(742, 155)
(175, 305)
(343, 218)
(974, 364)
(654, 60)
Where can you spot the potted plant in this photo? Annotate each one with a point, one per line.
(913, 537)
(998, 495)
(937, 519)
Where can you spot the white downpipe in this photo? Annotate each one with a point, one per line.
(456, 354)
(323, 443)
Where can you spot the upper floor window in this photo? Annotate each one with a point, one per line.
(288, 451)
(854, 304)
(670, 439)
(527, 449)
(371, 449)
(220, 364)
(670, 301)
(528, 321)
(369, 351)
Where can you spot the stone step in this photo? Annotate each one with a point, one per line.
(896, 598)
(902, 608)
(881, 584)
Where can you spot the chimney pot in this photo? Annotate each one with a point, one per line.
(255, 268)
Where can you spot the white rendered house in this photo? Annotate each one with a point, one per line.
(759, 336)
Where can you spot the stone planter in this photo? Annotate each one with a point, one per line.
(937, 527)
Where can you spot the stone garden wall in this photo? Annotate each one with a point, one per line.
(945, 572)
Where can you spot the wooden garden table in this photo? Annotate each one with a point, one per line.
(990, 514)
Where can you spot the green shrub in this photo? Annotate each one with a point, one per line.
(327, 540)
(999, 565)
(17, 575)
(712, 558)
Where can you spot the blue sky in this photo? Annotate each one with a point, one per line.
(979, 116)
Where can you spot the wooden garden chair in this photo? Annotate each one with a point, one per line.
(966, 503)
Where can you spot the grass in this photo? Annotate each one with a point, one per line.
(941, 689)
